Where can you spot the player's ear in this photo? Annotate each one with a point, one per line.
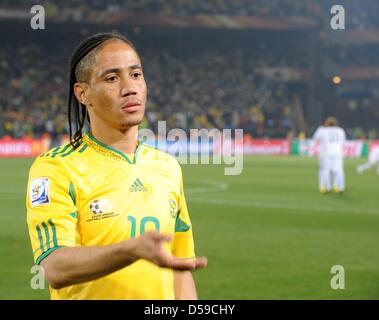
(81, 91)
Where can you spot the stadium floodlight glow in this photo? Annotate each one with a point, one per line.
(336, 80)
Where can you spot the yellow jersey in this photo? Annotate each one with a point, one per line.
(96, 196)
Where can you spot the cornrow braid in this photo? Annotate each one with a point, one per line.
(77, 112)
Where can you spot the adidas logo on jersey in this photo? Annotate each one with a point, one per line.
(137, 186)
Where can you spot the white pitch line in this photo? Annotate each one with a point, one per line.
(259, 204)
(214, 186)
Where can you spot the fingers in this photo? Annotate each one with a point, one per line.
(158, 236)
(188, 264)
(201, 262)
(164, 259)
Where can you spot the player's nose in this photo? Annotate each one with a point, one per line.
(128, 88)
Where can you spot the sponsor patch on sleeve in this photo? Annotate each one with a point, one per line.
(39, 191)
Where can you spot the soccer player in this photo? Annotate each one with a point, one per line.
(107, 215)
(373, 159)
(331, 140)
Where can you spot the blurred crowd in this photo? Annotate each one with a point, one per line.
(193, 82)
(263, 8)
(361, 14)
(356, 56)
(208, 87)
(200, 86)
(34, 99)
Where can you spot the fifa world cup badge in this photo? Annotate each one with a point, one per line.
(39, 192)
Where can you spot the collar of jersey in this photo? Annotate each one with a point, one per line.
(109, 151)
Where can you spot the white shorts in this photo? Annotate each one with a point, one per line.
(331, 163)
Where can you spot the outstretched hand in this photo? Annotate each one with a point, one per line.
(149, 246)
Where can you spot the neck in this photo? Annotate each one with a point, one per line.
(123, 140)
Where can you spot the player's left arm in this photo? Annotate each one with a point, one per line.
(316, 136)
(184, 286)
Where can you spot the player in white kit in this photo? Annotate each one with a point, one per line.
(373, 159)
(331, 140)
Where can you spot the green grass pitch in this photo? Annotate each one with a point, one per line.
(267, 233)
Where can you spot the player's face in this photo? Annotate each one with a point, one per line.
(117, 89)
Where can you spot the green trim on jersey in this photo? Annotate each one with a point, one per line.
(71, 191)
(180, 225)
(52, 244)
(45, 254)
(40, 238)
(52, 225)
(83, 148)
(56, 151)
(115, 151)
(74, 215)
(64, 150)
(47, 236)
(71, 150)
(123, 155)
(139, 144)
(68, 152)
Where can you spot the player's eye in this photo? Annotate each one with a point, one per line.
(111, 79)
(136, 74)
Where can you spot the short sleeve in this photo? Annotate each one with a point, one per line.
(183, 243)
(51, 209)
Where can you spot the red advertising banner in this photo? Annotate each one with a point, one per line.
(309, 147)
(25, 147)
(266, 147)
(373, 145)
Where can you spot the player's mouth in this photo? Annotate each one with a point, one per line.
(131, 106)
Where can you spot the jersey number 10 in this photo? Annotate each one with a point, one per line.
(143, 223)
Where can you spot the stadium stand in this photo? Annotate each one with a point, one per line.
(258, 80)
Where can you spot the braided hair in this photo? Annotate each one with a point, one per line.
(77, 112)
